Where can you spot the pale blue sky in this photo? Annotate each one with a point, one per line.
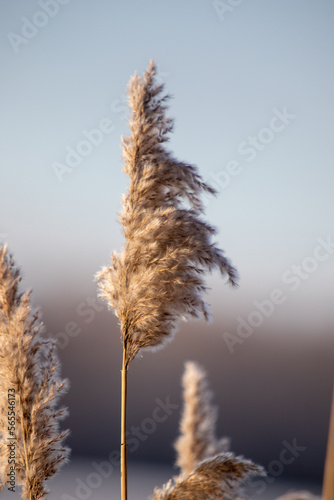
(231, 80)
(227, 76)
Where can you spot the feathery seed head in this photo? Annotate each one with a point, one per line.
(208, 470)
(197, 440)
(159, 276)
(216, 478)
(29, 367)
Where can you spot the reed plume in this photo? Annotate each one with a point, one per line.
(299, 495)
(29, 369)
(207, 469)
(217, 478)
(159, 276)
(197, 439)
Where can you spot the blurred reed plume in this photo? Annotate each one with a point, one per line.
(159, 276)
(197, 440)
(219, 478)
(207, 469)
(29, 369)
(300, 495)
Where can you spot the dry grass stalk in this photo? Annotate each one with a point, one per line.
(328, 481)
(328, 484)
(207, 470)
(197, 427)
(159, 276)
(29, 365)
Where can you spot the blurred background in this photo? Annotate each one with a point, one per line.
(252, 86)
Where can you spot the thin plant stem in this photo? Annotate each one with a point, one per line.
(124, 471)
(328, 484)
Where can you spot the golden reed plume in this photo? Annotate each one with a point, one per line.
(159, 276)
(197, 439)
(29, 391)
(207, 469)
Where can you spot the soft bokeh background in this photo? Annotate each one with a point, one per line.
(231, 70)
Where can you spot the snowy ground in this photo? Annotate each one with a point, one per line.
(81, 480)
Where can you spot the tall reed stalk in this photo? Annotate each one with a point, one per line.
(328, 482)
(159, 276)
(124, 469)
